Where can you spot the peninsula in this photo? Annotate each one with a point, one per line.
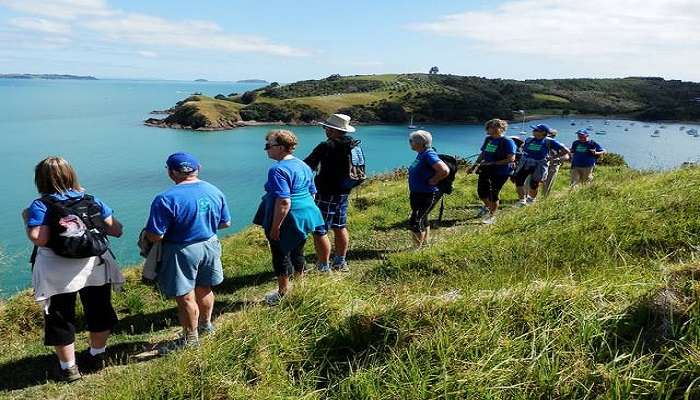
(47, 76)
(435, 98)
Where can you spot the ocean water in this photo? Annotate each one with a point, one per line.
(97, 126)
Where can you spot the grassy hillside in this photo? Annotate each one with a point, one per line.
(444, 98)
(591, 293)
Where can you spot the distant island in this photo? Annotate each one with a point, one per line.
(253, 81)
(47, 76)
(437, 98)
(201, 80)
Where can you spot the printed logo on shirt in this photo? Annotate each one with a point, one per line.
(580, 148)
(491, 148)
(534, 147)
(203, 205)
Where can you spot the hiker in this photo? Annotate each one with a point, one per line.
(423, 176)
(554, 164)
(287, 212)
(494, 165)
(69, 229)
(585, 155)
(185, 218)
(534, 163)
(334, 182)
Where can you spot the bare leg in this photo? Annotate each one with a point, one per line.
(205, 303)
(188, 311)
(323, 248)
(98, 340)
(65, 353)
(342, 240)
(521, 192)
(283, 284)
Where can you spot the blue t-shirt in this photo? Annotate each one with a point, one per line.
(582, 157)
(421, 171)
(188, 212)
(288, 177)
(37, 210)
(496, 150)
(537, 149)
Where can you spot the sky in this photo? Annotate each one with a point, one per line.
(285, 41)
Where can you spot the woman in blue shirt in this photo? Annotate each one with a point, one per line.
(288, 212)
(423, 176)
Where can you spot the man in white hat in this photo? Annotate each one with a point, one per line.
(331, 157)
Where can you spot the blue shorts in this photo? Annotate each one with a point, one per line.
(186, 265)
(334, 208)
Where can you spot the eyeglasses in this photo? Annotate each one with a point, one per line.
(268, 146)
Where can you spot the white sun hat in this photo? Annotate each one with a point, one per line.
(340, 122)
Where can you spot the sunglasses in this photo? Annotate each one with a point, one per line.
(268, 146)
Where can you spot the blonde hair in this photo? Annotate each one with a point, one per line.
(421, 137)
(55, 175)
(283, 137)
(552, 133)
(499, 124)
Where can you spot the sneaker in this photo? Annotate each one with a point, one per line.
(490, 220)
(521, 203)
(174, 345)
(324, 269)
(483, 210)
(206, 329)
(530, 200)
(95, 363)
(274, 298)
(69, 374)
(343, 267)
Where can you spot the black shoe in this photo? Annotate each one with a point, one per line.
(69, 374)
(95, 363)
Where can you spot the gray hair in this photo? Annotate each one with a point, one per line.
(421, 137)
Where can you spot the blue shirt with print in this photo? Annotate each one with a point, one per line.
(37, 210)
(288, 177)
(496, 150)
(188, 212)
(538, 149)
(582, 157)
(421, 171)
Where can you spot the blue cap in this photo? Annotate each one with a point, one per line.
(182, 162)
(582, 132)
(541, 128)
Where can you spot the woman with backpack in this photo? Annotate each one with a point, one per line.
(494, 165)
(287, 213)
(69, 229)
(424, 174)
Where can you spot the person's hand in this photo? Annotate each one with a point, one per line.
(592, 151)
(275, 233)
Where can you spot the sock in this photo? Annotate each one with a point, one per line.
(67, 364)
(338, 260)
(97, 350)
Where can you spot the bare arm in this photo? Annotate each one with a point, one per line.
(153, 237)
(476, 163)
(38, 235)
(441, 171)
(113, 227)
(224, 225)
(282, 207)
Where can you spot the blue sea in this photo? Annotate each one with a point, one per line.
(98, 127)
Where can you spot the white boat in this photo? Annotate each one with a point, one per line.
(606, 122)
(602, 132)
(410, 125)
(657, 133)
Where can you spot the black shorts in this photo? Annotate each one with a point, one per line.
(490, 185)
(521, 176)
(289, 262)
(59, 322)
(421, 205)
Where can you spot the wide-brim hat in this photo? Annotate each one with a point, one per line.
(340, 122)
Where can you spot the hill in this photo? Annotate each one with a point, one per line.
(591, 293)
(47, 76)
(458, 99)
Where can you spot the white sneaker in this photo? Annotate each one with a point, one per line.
(490, 220)
(521, 203)
(482, 211)
(530, 200)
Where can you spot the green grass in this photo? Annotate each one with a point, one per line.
(550, 97)
(591, 293)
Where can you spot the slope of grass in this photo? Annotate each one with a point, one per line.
(591, 293)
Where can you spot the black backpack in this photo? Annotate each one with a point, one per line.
(446, 185)
(76, 227)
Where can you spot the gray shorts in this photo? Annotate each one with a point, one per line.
(186, 265)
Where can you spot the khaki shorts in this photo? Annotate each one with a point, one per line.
(581, 175)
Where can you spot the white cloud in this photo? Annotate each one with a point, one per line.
(147, 54)
(119, 27)
(40, 25)
(591, 28)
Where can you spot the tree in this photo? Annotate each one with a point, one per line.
(434, 70)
